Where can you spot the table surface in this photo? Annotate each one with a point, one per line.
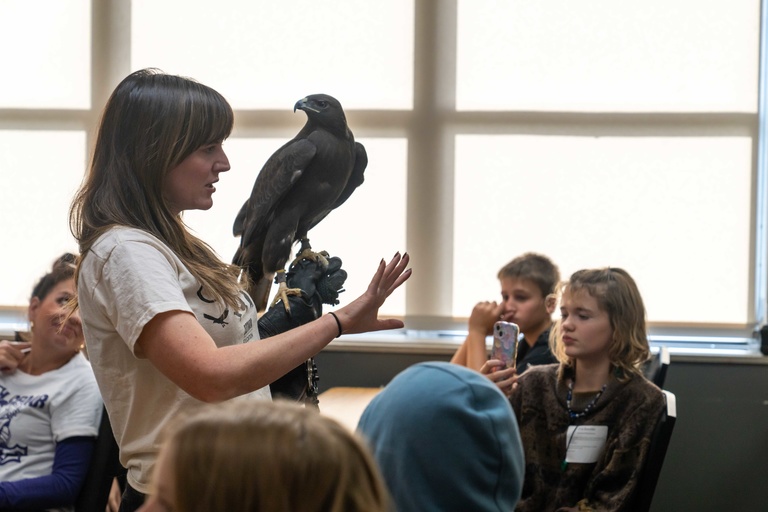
(346, 405)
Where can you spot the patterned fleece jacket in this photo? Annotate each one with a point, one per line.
(629, 409)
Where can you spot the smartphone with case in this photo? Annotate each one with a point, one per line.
(505, 336)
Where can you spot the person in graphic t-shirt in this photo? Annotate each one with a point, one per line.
(50, 407)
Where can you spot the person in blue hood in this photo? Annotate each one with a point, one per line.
(446, 439)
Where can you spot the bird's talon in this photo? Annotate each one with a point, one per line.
(282, 294)
(310, 255)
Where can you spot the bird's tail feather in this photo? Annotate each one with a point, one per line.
(260, 292)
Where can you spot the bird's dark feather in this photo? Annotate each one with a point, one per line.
(299, 185)
(279, 173)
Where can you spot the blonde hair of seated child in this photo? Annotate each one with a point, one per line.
(617, 294)
(271, 457)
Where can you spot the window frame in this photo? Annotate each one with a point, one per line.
(430, 128)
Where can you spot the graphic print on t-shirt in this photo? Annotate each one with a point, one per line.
(9, 408)
(246, 304)
(218, 320)
(215, 319)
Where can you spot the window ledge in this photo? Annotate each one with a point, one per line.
(445, 342)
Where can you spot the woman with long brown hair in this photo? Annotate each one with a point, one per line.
(167, 324)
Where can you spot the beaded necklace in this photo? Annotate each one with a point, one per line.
(573, 415)
(576, 415)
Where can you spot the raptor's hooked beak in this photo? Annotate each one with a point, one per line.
(303, 104)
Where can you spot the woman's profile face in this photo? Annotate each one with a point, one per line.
(190, 185)
(163, 496)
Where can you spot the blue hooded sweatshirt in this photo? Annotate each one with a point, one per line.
(446, 440)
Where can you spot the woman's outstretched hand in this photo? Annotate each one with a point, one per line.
(362, 314)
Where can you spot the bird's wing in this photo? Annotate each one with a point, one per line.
(276, 178)
(237, 227)
(355, 180)
(357, 177)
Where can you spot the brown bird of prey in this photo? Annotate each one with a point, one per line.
(299, 185)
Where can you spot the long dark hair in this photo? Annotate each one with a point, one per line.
(150, 124)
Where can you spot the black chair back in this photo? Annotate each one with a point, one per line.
(105, 466)
(655, 370)
(657, 451)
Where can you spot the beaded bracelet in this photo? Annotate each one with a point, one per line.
(338, 322)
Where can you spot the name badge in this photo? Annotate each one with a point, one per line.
(584, 443)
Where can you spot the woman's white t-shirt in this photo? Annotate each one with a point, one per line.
(126, 279)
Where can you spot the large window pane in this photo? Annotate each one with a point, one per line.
(369, 226)
(264, 54)
(602, 55)
(46, 54)
(42, 171)
(656, 205)
(674, 212)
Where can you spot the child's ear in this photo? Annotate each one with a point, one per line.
(550, 302)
